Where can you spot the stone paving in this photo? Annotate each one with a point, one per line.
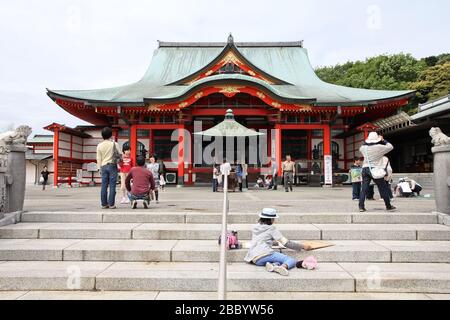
(202, 199)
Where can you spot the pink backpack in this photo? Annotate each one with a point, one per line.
(232, 240)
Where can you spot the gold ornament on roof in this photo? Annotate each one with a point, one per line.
(260, 95)
(229, 91)
(154, 107)
(183, 104)
(303, 107)
(250, 72)
(198, 95)
(230, 57)
(276, 104)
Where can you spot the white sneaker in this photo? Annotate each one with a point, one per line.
(127, 200)
(123, 201)
(270, 267)
(281, 270)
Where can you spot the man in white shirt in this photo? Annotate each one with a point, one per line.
(225, 169)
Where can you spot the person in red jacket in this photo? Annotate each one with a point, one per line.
(139, 183)
(125, 165)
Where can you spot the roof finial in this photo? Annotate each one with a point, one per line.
(230, 39)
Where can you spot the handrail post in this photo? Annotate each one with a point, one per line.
(222, 291)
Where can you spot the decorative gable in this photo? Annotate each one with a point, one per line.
(230, 61)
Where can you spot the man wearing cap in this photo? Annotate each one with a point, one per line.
(261, 253)
(373, 150)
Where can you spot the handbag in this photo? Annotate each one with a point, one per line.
(376, 172)
(116, 156)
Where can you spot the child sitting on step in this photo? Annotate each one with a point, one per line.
(261, 253)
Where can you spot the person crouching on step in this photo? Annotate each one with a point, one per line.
(263, 236)
(139, 184)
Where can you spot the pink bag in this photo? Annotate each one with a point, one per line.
(309, 263)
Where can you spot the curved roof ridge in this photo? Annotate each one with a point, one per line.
(169, 44)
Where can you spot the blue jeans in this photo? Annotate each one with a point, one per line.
(138, 196)
(381, 184)
(356, 190)
(109, 179)
(215, 185)
(278, 259)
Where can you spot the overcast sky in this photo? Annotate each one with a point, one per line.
(100, 43)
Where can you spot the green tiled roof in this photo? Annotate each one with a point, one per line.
(41, 139)
(290, 63)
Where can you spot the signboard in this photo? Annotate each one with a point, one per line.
(328, 169)
(92, 167)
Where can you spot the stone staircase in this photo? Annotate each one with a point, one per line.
(148, 254)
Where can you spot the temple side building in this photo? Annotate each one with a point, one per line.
(269, 86)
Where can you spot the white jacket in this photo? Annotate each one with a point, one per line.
(374, 153)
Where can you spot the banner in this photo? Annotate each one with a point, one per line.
(328, 169)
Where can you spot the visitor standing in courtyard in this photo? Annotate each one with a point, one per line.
(261, 252)
(44, 175)
(143, 183)
(239, 175)
(274, 172)
(356, 177)
(215, 178)
(373, 150)
(108, 156)
(155, 168)
(288, 171)
(125, 166)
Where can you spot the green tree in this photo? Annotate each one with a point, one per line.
(429, 76)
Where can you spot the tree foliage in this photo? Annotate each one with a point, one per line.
(430, 76)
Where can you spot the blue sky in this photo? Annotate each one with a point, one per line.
(92, 44)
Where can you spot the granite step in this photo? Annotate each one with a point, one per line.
(149, 216)
(425, 278)
(190, 231)
(208, 251)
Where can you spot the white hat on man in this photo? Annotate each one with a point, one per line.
(373, 138)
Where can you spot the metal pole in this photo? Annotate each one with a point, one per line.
(222, 291)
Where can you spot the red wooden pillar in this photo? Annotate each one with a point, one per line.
(190, 166)
(326, 145)
(278, 148)
(180, 155)
(55, 157)
(327, 140)
(309, 146)
(133, 142)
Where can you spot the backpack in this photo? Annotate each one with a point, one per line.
(232, 240)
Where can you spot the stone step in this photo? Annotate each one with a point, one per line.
(183, 231)
(179, 295)
(190, 217)
(202, 277)
(208, 251)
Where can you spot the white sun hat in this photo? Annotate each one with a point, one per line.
(268, 213)
(373, 138)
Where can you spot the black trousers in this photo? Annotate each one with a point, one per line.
(381, 184)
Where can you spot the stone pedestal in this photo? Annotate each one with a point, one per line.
(442, 177)
(17, 170)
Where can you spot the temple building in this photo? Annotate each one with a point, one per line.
(269, 86)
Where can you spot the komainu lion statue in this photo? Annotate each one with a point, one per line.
(17, 137)
(438, 138)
